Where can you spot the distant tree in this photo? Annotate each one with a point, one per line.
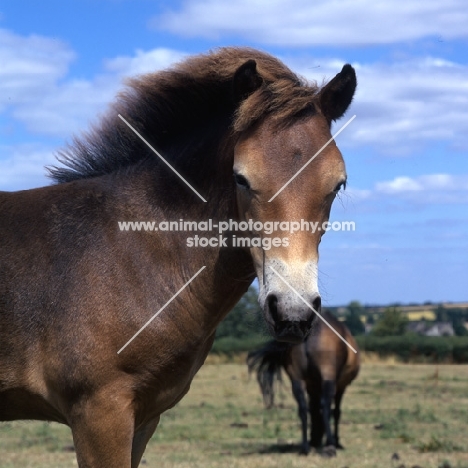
(459, 328)
(458, 317)
(244, 319)
(459, 313)
(355, 307)
(441, 314)
(353, 318)
(330, 310)
(392, 323)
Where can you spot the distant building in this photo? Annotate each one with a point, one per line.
(440, 329)
(419, 327)
(431, 328)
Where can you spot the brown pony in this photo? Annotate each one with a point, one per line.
(323, 365)
(75, 288)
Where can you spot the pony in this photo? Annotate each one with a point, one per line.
(323, 366)
(234, 125)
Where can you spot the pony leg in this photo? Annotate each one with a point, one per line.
(140, 439)
(336, 417)
(299, 395)
(317, 429)
(328, 393)
(102, 427)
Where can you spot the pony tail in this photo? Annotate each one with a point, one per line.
(267, 362)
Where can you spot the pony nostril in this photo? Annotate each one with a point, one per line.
(273, 306)
(317, 303)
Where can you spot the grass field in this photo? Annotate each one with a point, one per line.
(419, 412)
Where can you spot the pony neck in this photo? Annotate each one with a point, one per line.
(153, 194)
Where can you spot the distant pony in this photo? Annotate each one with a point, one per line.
(323, 366)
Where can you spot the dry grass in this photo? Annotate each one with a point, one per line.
(419, 412)
(421, 315)
(375, 359)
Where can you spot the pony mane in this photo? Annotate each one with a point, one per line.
(173, 107)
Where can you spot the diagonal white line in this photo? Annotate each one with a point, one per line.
(316, 313)
(161, 309)
(312, 158)
(159, 155)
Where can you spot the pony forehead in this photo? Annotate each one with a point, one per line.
(285, 101)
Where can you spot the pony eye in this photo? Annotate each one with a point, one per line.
(241, 181)
(341, 185)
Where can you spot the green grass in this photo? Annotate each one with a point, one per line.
(417, 411)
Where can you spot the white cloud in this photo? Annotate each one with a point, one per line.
(67, 108)
(414, 103)
(37, 93)
(322, 22)
(424, 183)
(144, 62)
(402, 107)
(74, 103)
(30, 66)
(35, 89)
(23, 167)
(406, 193)
(399, 185)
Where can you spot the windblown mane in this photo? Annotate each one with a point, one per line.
(174, 109)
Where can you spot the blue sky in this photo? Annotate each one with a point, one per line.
(406, 152)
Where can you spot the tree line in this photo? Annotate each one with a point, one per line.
(244, 327)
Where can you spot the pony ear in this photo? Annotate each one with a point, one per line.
(336, 96)
(246, 80)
